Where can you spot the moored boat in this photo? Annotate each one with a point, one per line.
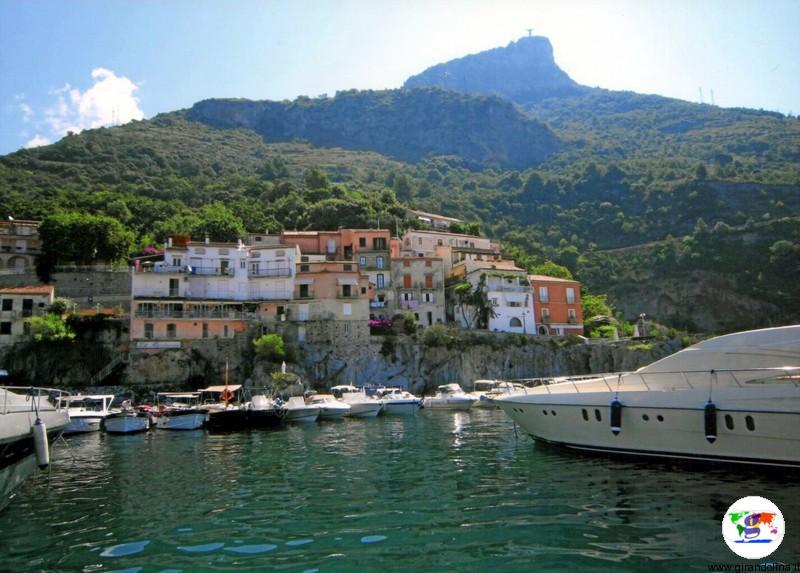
(129, 420)
(734, 398)
(398, 401)
(295, 409)
(329, 407)
(30, 421)
(361, 405)
(86, 413)
(179, 411)
(263, 412)
(226, 408)
(449, 397)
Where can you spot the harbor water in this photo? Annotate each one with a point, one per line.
(438, 491)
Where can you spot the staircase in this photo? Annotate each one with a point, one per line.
(119, 359)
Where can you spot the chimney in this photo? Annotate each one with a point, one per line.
(169, 242)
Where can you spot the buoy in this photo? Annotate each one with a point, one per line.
(616, 416)
(710, 416)
(40, 443)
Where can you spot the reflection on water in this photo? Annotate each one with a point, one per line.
(440, 491)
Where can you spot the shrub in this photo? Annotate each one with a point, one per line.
(270, 347)
(49, 328)
(437, 335)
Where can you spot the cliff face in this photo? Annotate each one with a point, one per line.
(524, 72)
(406, 124)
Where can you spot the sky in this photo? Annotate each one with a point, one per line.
(69, 65)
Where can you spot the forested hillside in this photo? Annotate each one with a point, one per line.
(687, 212)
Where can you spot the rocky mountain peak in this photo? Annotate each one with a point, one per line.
(524, 71)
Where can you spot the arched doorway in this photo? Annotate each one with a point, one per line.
(543, 330)
(19, 263)
(515, 322)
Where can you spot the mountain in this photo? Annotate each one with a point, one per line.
(523, 72)
(405, 124)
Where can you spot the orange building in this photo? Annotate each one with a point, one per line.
(557, 304)
(341, 245)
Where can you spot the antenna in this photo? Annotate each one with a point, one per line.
(712, 96)
(701, 95)
(530, 31)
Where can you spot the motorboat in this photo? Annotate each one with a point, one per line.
(87, 413)
(361, 405)
(262, 411)
(129, 420)
(449, 397)
(734, 398)
(398, 401)
(329, 407)
(295, 409)
(486, 391)
(179, 411)
(31, 419)
(226, 408)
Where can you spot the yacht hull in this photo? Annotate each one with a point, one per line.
(83, 425)
(264, 418)
(448, 403)
(326, 413)
(227, 420)
(301, 415)
(759, 426)
(365, 409)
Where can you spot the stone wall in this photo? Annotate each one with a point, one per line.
(87, 286)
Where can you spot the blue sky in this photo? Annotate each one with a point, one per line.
(71, 65)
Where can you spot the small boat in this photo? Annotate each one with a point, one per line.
(31, 419)
(398, 401)
(733, 398)
(361, 405)
(296, 410)
(329, 407)
(486, 391)
(179, 411)
(263, 412)
(86, 413)
(449, 397)
(128, 421)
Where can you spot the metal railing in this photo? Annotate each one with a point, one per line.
(270, 272)
(212, 271)
(28, 398)
(209, 314)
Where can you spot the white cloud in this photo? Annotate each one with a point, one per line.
(37, 141)
(111, 100)
(27, 112)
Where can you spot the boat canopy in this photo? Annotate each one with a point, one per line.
(179, 394)
(230, 387)
(449, 388)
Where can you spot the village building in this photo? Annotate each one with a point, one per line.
(20, 244)
(558, 305)
(451, 247)
(17, 304)
(507, 293)
(439, 222)
(419, 288)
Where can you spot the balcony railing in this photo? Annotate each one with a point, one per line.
(377, 304)
(498, 287)
(207, 314)
(546, 319)
(25, 313)
(275, 272)
(212, 271)
(409, 304)
(306, 295)
(165, 269)
(350, 296)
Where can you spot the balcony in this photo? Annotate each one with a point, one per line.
(377, 304)
(351, 296)
(162, 269)
(267, 273)
(409, 304)
(193, 314)
(212, 271)
(546, 319)
(309, 294)
(498, 287)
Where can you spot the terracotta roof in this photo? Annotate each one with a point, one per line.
(545, 278)
(33, 289)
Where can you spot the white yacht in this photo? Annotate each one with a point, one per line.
(734, 398)
(180, 411)
(295, 409)
(87, 413)
(499, 388)
(29, 422)
(398, 401)
(127, 421)
(361, 405)
(449, 397)
(329, 407)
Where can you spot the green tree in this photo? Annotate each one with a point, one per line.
(551, 269)
(270, 347)
(314, 178)
(218, 223)
(595, 305)
(49, 328)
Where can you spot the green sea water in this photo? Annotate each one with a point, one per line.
(439, 491)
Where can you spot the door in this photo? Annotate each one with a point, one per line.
(302, 312)
(27, 307)
(174, 287)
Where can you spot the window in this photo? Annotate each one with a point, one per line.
(5, 328)
(363, 290)
(172, 331)
(406, 281)
(303, 291)
(597, 415)
(515, 322)
(544, 296)
(346, 290)
(439, 242)
(347, 267)
(243, 264)
(223, 266)
(255, 255)
(304, 259)
(570, 295)
(362, 260)
(258, 239)
(406, 264)
(225, 331)
(362, 242)
(428, 263)
(379, 262)
(304, 268)
(254, 268)
(280, 253)
(428, 281)
(729, 421)
(176, 261)
(545, 315)
(347, 327)
(379, 244)
(8, 304)
(750, 423)
(427, 297)
(347, 309)
(585, 414)
(379, 280)
(571, 314)
(205, 330)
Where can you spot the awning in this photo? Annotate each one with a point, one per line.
(230, 387)
(347, 281)
(305, 281)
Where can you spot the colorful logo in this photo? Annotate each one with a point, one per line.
(753, 527)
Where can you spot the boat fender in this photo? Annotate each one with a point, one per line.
(616, 416)
(710, 415)
(40, 443)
